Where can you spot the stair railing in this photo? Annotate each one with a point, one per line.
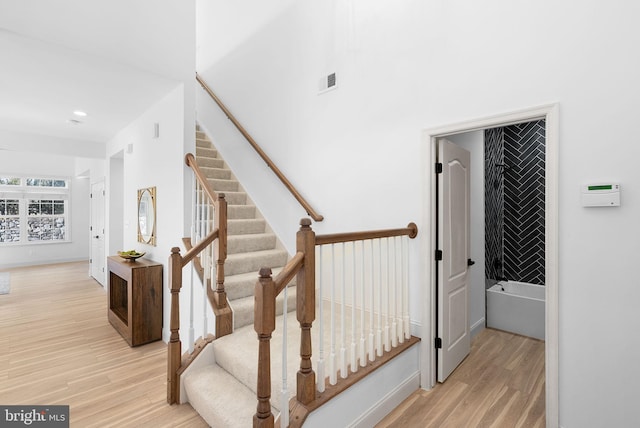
(361, 277)
(207, 251)
(308, 208)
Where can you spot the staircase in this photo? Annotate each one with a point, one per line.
(221, 384)
(250, 243)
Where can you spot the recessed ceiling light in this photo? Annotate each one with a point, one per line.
(80, 113)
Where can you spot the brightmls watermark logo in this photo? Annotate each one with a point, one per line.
(34, 416)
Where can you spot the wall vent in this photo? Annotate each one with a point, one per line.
(328, 83)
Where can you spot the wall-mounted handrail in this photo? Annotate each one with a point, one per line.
(314, 215)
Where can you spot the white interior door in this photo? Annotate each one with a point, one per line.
(454, 339)
(97, 232)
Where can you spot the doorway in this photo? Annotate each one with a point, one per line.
(549, 114)
(97, 231)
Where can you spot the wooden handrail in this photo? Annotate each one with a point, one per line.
(310, 211)
(288, 272)
(194, 251)
(411, 231)
(218, 298)
(190, 160)
(302, 265)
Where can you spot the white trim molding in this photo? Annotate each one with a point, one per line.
(550, 113)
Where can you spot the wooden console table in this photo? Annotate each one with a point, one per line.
(135, 299)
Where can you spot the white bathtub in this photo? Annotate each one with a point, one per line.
(518, 309)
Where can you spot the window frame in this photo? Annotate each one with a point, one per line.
(26, 193)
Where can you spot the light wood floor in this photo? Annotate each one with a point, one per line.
(500, 384)
(57, 347)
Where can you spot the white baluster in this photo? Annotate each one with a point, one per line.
(386, 294)
(399, 290)
(343, 330)
(379, 344)
(392, 293)
(284, 396)
(320, 379)
(405, 287)
(332, 357)
(372, 354)
(363, 341)
(354, 348)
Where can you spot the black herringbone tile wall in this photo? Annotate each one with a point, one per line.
(522, 189)
(493, 201)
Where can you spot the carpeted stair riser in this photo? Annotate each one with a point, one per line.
(219, 398)
(205, 162)
(223, 185)
(238, 212)
(250, 242)
(244, 284)
(245, 226)
(254, 261)
(235, 198)
(243, 308)
(216, 173)
(205, 152)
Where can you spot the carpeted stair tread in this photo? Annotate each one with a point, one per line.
(219, 398)
(236, 198)
(245, 226)
(237, 212)
(238, 354)
(209, 162)
(250, 242)
(254, 261)
(243, 284)
(222, 185)
(216, 173)
(206, 152)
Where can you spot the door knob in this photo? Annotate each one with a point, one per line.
(470, 262)
(97, 236)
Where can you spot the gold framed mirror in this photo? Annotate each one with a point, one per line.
(147, 216)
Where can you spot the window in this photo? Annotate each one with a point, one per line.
(9, 220)
(33, 210)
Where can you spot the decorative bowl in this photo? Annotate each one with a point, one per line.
(130, 255)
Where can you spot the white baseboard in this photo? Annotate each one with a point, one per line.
(416, 329)
(389, 402)
(477, 327)
(43, 262)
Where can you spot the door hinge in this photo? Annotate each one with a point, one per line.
(103, 193)
(438, 167)
(438, 343)
(91, 195)
(90, 261)
(438, 255)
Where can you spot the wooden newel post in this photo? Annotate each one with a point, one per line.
(175, 346)
(264, 323)
(224, 316)
(306, 310)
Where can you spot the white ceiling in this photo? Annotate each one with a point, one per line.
(111, 59)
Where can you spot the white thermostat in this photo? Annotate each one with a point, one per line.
(601, 195)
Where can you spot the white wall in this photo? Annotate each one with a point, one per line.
(26, 142)
(474, 143)
(48, 165)
(153, 162)
(412, 65)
